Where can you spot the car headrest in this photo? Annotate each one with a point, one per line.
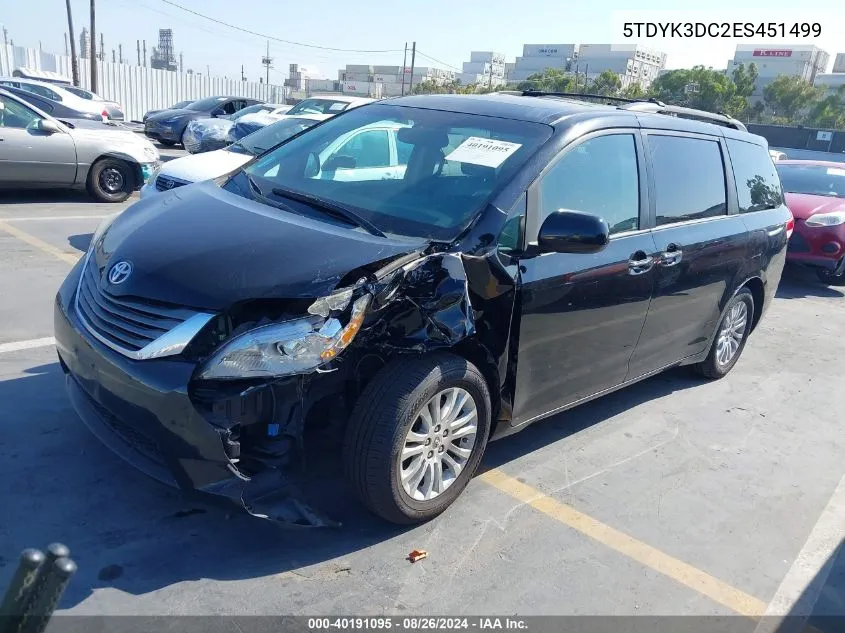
(423, 136)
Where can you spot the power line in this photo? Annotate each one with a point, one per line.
(278, 39)
(419, 52)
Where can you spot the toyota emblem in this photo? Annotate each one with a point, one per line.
(120, 272)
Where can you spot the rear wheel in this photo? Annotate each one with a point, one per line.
(111, 180)
(731, 336)
(416, 436)
(830, 277)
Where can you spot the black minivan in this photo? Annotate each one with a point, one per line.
(416, 277)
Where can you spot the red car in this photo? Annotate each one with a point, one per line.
(815, 193)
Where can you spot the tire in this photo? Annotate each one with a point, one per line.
(828, 277)
(111, 180)
(386, 411)
(711, 367)
(166, 143)
(182, 139)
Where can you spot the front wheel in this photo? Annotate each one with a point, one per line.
(416, 436)
(830, 277)
(111, 180)
(731, 336)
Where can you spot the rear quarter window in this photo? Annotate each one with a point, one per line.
(757, 183)
(689, 178)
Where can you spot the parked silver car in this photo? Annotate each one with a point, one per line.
(38, 151)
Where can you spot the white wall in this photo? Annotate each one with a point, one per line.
(137, 88)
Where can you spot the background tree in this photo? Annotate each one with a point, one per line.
(829, 110)
(788, 97)
(607, 83)
(744, 79)
(548, 80)
(697, 87)
(634, 91)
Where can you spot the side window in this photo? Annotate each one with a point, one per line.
(403, 151)
(757, 183)
(14, 115)
(42, 91)
(599, 176)
(368, 149)
(689, 178)
(510, 239)
(229, 107)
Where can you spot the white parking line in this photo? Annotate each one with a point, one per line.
(800, 589)
(16, 346)
(55, 218)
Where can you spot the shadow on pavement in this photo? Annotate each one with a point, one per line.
(799, 281)
(49, 196)
(80, 242)
(129, 532)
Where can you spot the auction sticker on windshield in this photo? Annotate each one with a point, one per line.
(483, 151)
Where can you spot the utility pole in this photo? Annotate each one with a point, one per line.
(66, 52)
(113, 56)
(102, 49)
(181, 62)
(404, 65)
(413, 58)
(138, 48)
(266, 61)
(94, 51)
(120, 53)
(208, 70)
(490, 82)
(144, 44)
(586, 70)
(74, 69)
(243, 77)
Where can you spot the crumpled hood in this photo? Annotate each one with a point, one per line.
(203, 247)
(803, 205)
(197, 167)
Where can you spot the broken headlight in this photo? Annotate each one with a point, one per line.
(283, 349)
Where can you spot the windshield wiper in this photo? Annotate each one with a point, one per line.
(331, 208)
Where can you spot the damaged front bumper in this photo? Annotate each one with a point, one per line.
(143, 411)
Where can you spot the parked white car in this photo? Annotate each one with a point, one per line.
(207, 165)
(65, 96)
(776, 155)
(328, 104)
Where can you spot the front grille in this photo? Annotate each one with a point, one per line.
(797, 244)
(129, 324)
(128, 433)
(166, 183)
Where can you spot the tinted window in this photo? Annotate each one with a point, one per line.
(270, 136)
(599, 176)
(204, 105)
(689, 178)
(13, 114)
(319, 106)
(368, 149)
(817, 180)
(41, 90)
(757, 183)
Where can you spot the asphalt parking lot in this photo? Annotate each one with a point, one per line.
(673, 497)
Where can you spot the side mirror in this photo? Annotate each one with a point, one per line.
(566, 231)
(48, 127)
(339, 162)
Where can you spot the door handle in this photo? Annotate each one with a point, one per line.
(640, 263)
(671, 256)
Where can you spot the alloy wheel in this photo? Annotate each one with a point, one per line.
(112, 180)
(438, 444)
(732, 333)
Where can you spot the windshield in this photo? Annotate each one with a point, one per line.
(258, 107)
(180, 105)
(260, 141)
(205, 104)
(817, 180)
(409, 171)
(79, 92)
(319, 106)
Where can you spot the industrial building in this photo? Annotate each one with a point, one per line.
(388, 81)
(835, 79)
(164, 55)
(84, 44)
(839, 63)
(802, 61)
(484, 68)
(632, 63)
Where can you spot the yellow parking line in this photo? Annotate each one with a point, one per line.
(40, 244)
(686, 574)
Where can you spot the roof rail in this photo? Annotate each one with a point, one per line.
(655, 107)
(575, 95)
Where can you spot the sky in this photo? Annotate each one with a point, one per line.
(446, 30)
